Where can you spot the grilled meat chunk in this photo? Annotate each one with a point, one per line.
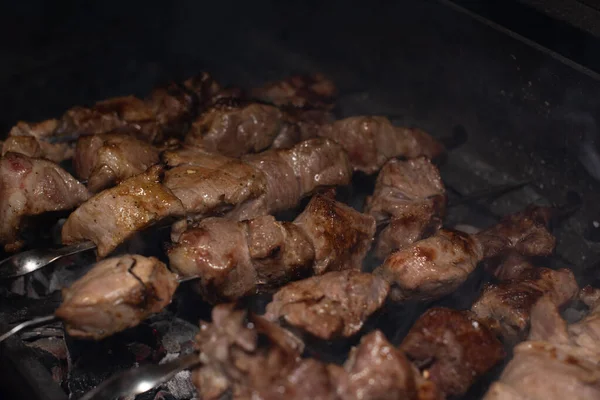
(295, 173)
(112, 216)
(235, 129)
(116, 294)
(108, 115)
(36, 140)
(235, 259)
(525, 232)
(586, 333)
(555, 363)
(371, 141)
(332, 305)
(107, 159)
(302, 91)
(510, 266)
(453, 347)
(243, 355)
(31, 186)
(432, 267)
(509, 303)
(377, 370)
(211, 183)
(341, 236)
(409, 201)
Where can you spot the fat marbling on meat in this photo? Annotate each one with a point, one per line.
(453, 348)
(113, 215)
(329, 306)
(409, 202)
(371, 141)
(108, 159)
(235, 259)
(116, 294)
(30, 186)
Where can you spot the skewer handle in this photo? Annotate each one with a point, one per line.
(141, 379)
(28, 324)
(32, 260)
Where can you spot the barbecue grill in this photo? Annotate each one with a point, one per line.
(526, 101)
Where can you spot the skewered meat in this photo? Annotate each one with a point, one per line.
(214, 184)
(526, 232)
(371, 141)
(234, 129)
(332, 305)
(553, 363)
(340, 235)
(108, 159)
(235, 361)
(116, 294)
(409, 201)
(31, 186)
(245, 356)
(235, 259)
(509, 303)
(115, 214)
(293, 174)
(301, 124)
(510, 266)
(432, 267)
(35, 140)
(302, 91)
(377, 370)
(453, 347)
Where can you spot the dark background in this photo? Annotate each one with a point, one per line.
(523, 83)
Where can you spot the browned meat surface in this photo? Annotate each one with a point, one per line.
(109, 115)
(113, 215)
(453, 348)
(409, 201)
(555, 363)
(301, 124)
(308, 166)
(371, 141)
(432, 267)
(108, 159)
(329, 306)
(30, 186)
(36, 140)
(235, 259)
(245, 356)
(210, 184)
(116, 294)
(302, 91)
(193, 156)
(377, 370)
(524, 232)
(234, 129)
(509, 303)
(510, 266)
(341, 236)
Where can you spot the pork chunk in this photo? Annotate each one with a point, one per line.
(113, 215)
(116, 294)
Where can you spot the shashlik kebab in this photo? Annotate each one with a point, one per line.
(558, 361)
(230, 259)
(244, 356)
(454, 348)
(424, 271)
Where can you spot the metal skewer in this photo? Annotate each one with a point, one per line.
(141, 379)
